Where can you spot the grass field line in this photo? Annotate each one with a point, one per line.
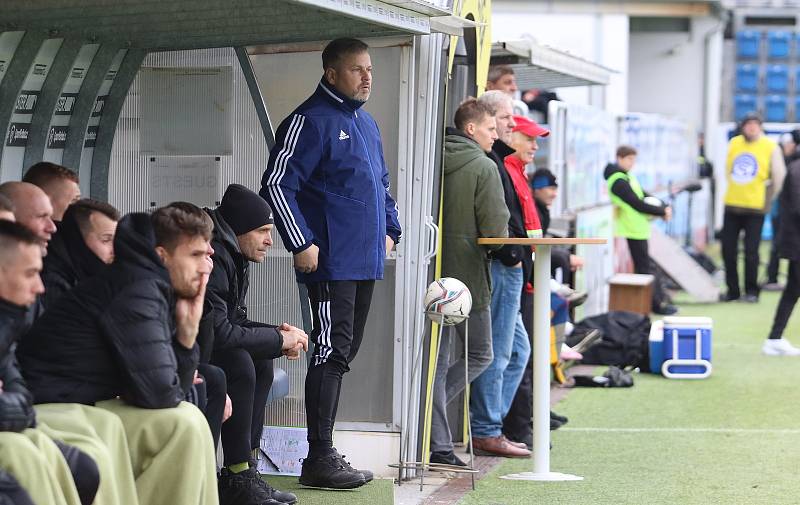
(744, 431)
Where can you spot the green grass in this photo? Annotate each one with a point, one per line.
(377, 492)
(747, 391)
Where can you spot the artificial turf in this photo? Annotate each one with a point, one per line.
(377, 492)
(733, 438)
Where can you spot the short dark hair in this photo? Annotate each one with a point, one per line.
(180, 220)
(82, 210)
(625, 151)
(338, 48)
(498, 71)
(43, 173)
(6, 203)
(12, 235)
(471, 111)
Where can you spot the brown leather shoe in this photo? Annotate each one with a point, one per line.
(498, 446)
(515, 444)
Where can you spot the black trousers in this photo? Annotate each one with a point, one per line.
(84, 471)
(517, 423)
(339, 310)
(774, 258)
(788, 300)
(732, 225)
(642, 264)
(211, 397)
(560, 260)
(248, 383)
(11, 493)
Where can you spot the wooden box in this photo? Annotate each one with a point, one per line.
(631, 292)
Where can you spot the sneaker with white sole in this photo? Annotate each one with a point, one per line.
(779, 347)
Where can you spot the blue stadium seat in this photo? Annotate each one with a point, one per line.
(776, 110)
(778, 43)
(748, 43)
(777, 79)
(743, 105)
(797, 109)
(746, 77)
(797, 79)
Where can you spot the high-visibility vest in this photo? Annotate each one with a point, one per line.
(747, 170)
(628, 222)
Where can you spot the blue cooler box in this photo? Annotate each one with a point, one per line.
(656, 346)
(687, 347)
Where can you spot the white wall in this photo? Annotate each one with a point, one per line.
(600, 38)
(667, 72)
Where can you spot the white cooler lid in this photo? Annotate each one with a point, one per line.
(688, 322)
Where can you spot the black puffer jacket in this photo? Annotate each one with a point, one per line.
(16, 402)
(227, 290)
(68, 260)
(114, 334)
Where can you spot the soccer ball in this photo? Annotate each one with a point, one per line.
(447, 301)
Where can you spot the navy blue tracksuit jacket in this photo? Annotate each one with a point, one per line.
(328, 185)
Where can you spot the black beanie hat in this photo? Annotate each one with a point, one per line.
(244, 210)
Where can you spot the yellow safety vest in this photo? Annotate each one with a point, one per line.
(747, 170)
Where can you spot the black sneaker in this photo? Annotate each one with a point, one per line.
(275, 494)
(366, 473)
(330, 472)
(243, 488)
(446, 458)
(561, 419)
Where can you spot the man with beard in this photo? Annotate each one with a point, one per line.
(125, 341)
(329, 185)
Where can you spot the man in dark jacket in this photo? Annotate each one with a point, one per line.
(473, 207)
(493, 390)
(130, 332)
(244, 349)
(80, 248)
(631, 220)
(329, 186)
(788, 247)
(20, 264)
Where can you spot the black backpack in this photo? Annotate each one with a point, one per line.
(624, 340)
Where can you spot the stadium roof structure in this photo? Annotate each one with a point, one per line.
(540, 66)
(156, 25)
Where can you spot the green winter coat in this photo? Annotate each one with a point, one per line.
(473, 206)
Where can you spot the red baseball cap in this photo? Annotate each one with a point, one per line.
(529, 128)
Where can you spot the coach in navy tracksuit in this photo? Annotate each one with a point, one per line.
(329, 187)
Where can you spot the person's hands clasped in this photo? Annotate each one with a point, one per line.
(294, 341)
(307, 260)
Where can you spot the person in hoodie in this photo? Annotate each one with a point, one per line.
(632, 220)
(493, 390)
(473, 206)
(328, 183)
(80, 248)
(243, 348)
(125, 341)
(28, 457)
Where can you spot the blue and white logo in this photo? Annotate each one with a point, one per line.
(745, 168)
